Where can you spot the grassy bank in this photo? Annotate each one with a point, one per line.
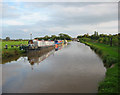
(12, 51)
(109, 55)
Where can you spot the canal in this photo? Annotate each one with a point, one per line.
(74, 68)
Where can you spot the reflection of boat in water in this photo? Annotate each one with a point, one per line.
(59, 47)
(37, 56)
(59, 44)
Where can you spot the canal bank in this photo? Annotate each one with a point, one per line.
(74, 68)
(14, 54)
(109, 55)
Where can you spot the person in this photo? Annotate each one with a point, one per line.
(6, 47)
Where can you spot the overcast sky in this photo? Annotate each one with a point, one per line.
(49, 18)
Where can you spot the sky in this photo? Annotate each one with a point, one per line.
(20, 19)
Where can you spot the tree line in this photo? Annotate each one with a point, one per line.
(101, 38)
(61, 36)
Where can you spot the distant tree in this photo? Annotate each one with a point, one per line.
(103, 35)
(64, 36)
(106, 40)
(95, 36)
(7, 38)
(61, 36)
(95, 33)
(86, 35)
(79, 36)
(46, 37)
(20, 39)
(53, 37)
(100, 40)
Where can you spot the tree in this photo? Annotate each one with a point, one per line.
(46, 37)
(105, 40)
(53, 37)
(7, 38)
(79, 36)
(86, 35)
(64, 36)
(96, 33)
(95, 36)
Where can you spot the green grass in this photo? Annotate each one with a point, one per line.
(109, 55)
(110, 83)
(10, 52)
(9, 43)
(112, 51)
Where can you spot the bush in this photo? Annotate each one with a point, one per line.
(99, 51)
(115, 41)
(109, 61)
(105, 58)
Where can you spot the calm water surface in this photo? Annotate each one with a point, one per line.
(73, 69)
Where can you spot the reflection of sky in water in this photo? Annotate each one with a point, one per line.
(74, 68)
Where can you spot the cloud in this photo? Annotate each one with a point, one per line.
(90, 14)
(25, 30)
(9, 11)
(60, 1)
(12, 22)
(53, 18)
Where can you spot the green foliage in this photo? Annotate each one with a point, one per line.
(7, 38)
(105, 40)
(11, 51)
(110, 83)
(46, 37)
(109, 61)
(61, 36)
(9, 43)
(79, 37)
(64, 36)
(53, 37)
(115, 41)
(102, 38)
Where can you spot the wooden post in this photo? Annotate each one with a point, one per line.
(110, 41)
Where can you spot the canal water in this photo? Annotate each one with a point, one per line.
(74, 68)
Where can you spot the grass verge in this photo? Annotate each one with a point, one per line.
(11, 52)
(110, 85)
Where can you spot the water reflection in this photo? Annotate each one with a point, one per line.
(73, 69)
(59, 47)
(10, 59)
(35, 57)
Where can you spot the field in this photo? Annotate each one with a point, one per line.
(109, 55)
(9, 43)
(11, 51)
(112, 51)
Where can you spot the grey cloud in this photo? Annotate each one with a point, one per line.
(59, 17)
(8, 12)
(64, 4)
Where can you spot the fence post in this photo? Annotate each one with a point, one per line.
(110, 41)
